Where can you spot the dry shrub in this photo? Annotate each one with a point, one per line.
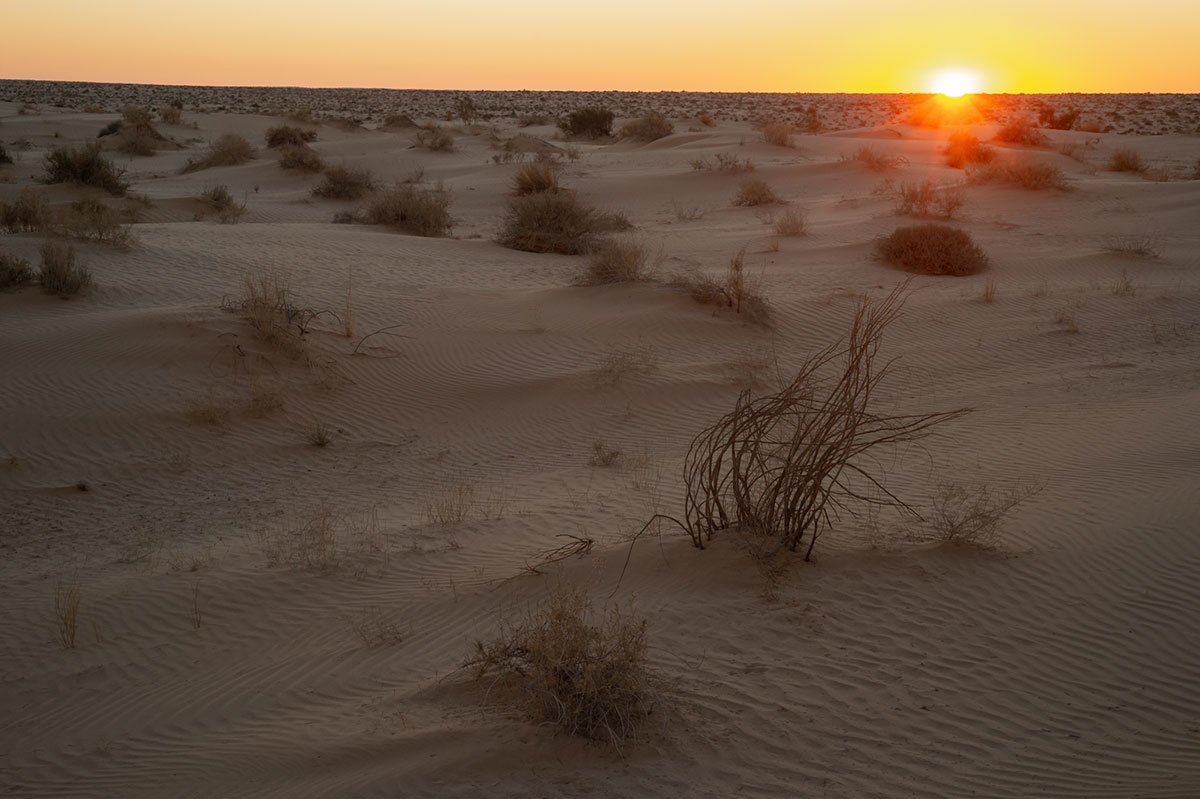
(612, 261)
(229, 149)
(1126, 160)
(170, 114)
(648, 128)
(1146, 245)
(27, 213)
(289, 135)
(778, 134)
(341, 182)
(725, 162)
(1056, 121)
(411, 209)
(86, 167)
(300, 157)
(434, 137)
(267, 306)
(1021, 130)
(877, 161)
(535, 177)
(549, 222)
(706, 119)
(925, 199)
(583, 671)
(782, 467)
(590, 122)
(1034, 176)
(60, 273)
(790, 223)
(222, 204)
(733, 290)
(137, 135)
(92, 219)
(971, 516)
(755, 191)
(932, 249)
(5, 158)
(67, 599)
(965, 149)
(397, 121)
(14, 272)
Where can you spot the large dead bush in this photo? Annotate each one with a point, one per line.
(411, 209)
(549, 222)
(932, 249)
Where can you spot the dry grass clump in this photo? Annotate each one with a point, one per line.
(67, 599)
(14, 272)
(27, 213)
(932, 249)
(1021, 130)
(289, 135)
(86, 167)
(1126, 160)
(229, 149)
(733, 290)
(589, 122)
(535, 177)
(964, 148)
(925, 199)
(221, 202)
(411, 209)
(778, 134)
(267, 306)
(5, 158)
(755, 191)
(876, 161)
(583, 671)
(171, 114)
(971, 516)
(300, 157)
(1146, 245)
(60, 273)
(137, 135)
(1034, 176)
(724, 162)
(92, 219)
(612, 261)
(550, 222)
(782, 467)
(434, 137)
(790, 223)
(648, 128)
(341, 182)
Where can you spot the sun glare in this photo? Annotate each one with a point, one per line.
(954, 82)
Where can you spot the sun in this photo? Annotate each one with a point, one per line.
(954, 82)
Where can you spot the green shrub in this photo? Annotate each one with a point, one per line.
(85, 166)
(60, 273)
(590, 122)
(14, 272)
(411, 209)
(285, 135)
(549, 222)
(648, 128)
(344, 183)
(932, 249)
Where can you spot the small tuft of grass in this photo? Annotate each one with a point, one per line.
(733, 290)
(778, 134)
(791, 223)
(341, 182)
(604, 455)
(932, 249)
(753, 192)
(67, 599)
(612, 261)
(60, 273)
(5, 158)
(222, 203)
(989, 292)
(535, 177)
(85, 166)
(1146, 245)
(319, 435)
(375, 629)
(411, 209)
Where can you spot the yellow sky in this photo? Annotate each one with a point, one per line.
(733, 45)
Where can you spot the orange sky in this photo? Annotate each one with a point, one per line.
(749, 45)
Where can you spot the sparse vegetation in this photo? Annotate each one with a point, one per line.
(171, 114)
(971, 516)
(724, 162)
(604, 455)
(582, 671)
(877, 161)
(85, 166)
(289, 136)
(1146, 245)
(137, 135)
(375, 629)
(549, 222)
(1021, 130)
(341, 182)
(1034, 176)
(647, 129)
(229, 149)
(613, 261)
(319, 435)
(67, 599)
(60, 273)
(932, 249)
(1126, 160)
(300, 157)
(27, 213)
(591, 122)
(535, 177)
(411, 209)
(222, 204)
(434, 137)
(790, 223)
(95, 220)
(778, 134)
(733, 290)
(14, 272)
(5, 158)
(964, 148)
(927, 199)
(755, 191)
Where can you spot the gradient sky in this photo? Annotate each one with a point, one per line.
(650, 45)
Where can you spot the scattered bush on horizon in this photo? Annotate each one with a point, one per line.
(791, 223)
(647, 129)
(14, 272)
(1126, 159)
(289, 135)
(964, 148)
(583, 671)
(85, 166)
(1055, 121)
(411, 209)
(341, 182)
(300, 157)
(60, 272)
(782, 467)
(550, 222)
(1021, 130)
(396, 121)
(535, 177)
(589, 122)
(932, 249)
(875, 160)
(1034, 176)
(613, 261)
(28, 213)
(229, 149)
(755, 191)
(435, 138)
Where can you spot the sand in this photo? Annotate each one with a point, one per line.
(154, 453)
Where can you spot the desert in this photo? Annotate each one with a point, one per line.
(319, 402)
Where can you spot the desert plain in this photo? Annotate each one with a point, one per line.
(273, 558)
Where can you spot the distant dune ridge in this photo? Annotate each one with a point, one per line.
(316, 481)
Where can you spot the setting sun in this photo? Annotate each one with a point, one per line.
(955, 82)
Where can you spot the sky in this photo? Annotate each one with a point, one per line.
(630, 45)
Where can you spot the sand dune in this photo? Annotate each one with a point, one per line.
(156, 454)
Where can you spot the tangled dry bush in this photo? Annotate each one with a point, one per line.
(94, 220)
(928, 199)
(86, 167)
(27, 213)
(300, 157)
(778, 134)
(289, 135)
(60, 272)
(782, 467)
(590, 122)
(1021, 130)
(229, 149)
(791, 223)
(341, 182)
(647, 129)
(1032, 175)
(932, 249)
(14, 272)
(875, 160)
(434, 137)
(613, 261)
(411, 209)
(963, 516)
(535, 177)
(755, 191)
(582, 671)
(550, 222)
